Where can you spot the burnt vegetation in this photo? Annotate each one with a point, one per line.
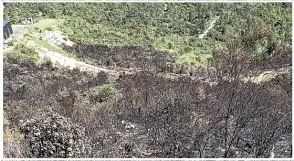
(124, 57)
(160, 110)
(145, 114)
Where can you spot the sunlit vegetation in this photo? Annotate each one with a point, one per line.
(174, 28)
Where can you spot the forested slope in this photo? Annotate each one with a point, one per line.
(173, 28)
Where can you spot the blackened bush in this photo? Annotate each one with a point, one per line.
(126, 57)
(53, 136)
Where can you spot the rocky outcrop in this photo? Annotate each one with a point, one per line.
(56, 37)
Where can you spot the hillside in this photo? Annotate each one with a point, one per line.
(148, 80)
(173, 28)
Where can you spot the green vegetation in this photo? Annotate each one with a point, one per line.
(45, 23)
(53, 48)
(28, 35)
(49, 28)
(23, 52)
(49, 46)
(11, 43)
(174, 30)
(102, 93)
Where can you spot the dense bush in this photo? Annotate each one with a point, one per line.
(178, 25)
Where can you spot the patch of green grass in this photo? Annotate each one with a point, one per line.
(49, 46)
(59, 50)
(49, 28)
(205, 57)
(190, 58)
(198, 58)
(28, 35)
(23, 52)
(186, 49)
(42, 24)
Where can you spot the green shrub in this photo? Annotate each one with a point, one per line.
(64, 38)
(102, 94)
(11, 43)
(27, 35)
(37, 28)
(187, 49)
(76, 70)
(169, 45)
(49, 28)
(24, 52)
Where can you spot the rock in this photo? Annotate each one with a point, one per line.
(56, 37)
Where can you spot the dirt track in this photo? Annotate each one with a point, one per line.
(60, 60)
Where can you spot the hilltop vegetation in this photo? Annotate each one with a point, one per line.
(175, 29)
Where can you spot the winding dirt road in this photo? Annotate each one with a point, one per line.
(59, 60)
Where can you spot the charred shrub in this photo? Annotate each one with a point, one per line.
(53, 136)
(67, 99)
(125, 57)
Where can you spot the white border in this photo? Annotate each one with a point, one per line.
(1, 84)
(140, 1)
(179, 1)
(151, 159)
